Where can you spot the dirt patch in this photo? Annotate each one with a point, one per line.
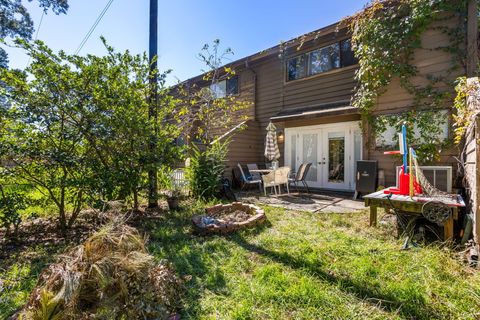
(231, 216)
(226, 218)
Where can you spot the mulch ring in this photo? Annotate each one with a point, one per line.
(227, 218)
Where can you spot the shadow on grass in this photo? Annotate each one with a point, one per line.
(15, 282)
(415, 309)
(193, 257)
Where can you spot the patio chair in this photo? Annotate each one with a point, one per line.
(248, 180)
(301, 176)
(276, 178)
(255, 175)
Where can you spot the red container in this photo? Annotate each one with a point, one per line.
(404, 185)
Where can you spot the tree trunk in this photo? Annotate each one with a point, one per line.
(63, 217)
(135, 199)
(76, 209)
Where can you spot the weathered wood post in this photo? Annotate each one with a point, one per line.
(472, 156)
(472, 39)
(472, 66)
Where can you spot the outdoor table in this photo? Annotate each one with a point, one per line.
(412, 205)
(261, 171)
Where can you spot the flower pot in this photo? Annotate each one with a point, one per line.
(173, 203)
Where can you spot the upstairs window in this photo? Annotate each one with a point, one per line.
(231, 86)
(226, 87)
(334, 56)
(347, 56)
(324, 59)
(296, 68)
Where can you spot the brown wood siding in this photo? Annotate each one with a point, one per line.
(430, 62)
(274, 94)
(245, 147)
(263, 81)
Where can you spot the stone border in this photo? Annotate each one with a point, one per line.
(257, 217)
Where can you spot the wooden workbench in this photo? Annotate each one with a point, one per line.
(410, 205)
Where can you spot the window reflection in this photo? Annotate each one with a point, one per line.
(324, 59)
(336, 159)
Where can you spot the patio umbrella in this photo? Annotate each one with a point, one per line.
(271, 147)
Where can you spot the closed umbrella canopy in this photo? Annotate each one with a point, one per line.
(271, 147)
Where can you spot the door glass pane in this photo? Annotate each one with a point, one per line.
(336, 157)
(293, 152)
(357, 148)
(310, 154)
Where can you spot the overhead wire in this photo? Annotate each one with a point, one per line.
(36, 35)
(94, 26)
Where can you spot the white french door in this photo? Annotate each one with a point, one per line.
(332, 149)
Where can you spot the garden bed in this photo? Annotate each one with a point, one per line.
(226, 218)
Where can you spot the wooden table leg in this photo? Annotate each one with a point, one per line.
(455, 213)
(448, 229)
(373, 216)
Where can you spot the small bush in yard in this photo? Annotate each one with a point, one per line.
(11, 203)
(206, 169)
(110, 276)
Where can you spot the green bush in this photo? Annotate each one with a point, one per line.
(206, 169)
(11, 203)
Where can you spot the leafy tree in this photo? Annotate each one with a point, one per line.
(38, 142)
(210, 116)
(78, 127)
(117, 123)
(15, 21)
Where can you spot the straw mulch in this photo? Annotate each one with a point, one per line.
(110, 276)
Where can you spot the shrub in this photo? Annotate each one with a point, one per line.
(11, 203)
(206, 169)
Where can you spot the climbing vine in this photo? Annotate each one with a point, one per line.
(466, 91)
(385, 36)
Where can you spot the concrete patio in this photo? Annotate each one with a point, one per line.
(317, 201)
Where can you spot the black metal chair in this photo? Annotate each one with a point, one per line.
(301, 176)
(248, 180)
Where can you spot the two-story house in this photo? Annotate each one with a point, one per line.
(305, 87)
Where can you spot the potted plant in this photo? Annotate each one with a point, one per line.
(173, 198)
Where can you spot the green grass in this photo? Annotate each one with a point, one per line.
(314, 266)
(298, 266)
(19, 274)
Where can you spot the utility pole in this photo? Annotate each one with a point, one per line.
(153, 105)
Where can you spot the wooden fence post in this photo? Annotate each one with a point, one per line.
(476, 209)
(472, 39)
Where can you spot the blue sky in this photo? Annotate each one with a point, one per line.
(246, 26)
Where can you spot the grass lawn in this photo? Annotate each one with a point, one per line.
(298, 266)
(315, 266)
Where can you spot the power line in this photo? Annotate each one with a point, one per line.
(36, 35)
(39, 25)
(95, 24)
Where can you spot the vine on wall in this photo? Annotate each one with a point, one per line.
(466, 105)
(385, 36)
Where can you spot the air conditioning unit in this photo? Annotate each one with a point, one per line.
(439, 176)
